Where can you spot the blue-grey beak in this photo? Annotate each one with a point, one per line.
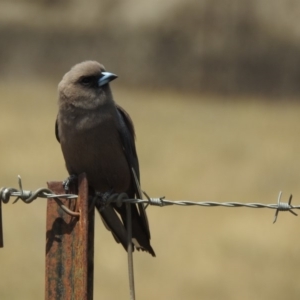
(106, 77)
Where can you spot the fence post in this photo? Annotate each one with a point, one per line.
(70, 246)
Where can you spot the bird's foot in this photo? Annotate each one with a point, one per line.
(110, 197)
(69, 181)
(102, 200)
(105, 196)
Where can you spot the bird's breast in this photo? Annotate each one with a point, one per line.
(98, 151)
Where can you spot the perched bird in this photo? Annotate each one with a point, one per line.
(97, 137)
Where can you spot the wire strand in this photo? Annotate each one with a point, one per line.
(29, 196)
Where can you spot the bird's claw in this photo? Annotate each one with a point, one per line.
(104, 196)
(69, 181)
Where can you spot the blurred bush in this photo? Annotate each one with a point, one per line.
(215, 46)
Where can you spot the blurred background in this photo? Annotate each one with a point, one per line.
(213, 89)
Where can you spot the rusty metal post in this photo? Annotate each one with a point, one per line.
(70, 246)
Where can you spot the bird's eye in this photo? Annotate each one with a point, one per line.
(87, 81)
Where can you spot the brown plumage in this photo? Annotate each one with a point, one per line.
(97, 137)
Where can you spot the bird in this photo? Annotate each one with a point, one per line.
(97, 137)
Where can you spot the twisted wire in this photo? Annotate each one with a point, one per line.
(28, 196)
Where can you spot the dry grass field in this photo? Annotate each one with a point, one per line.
(191, 147)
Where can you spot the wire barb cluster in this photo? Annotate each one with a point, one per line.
(29, 196)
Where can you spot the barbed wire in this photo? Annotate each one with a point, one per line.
(29, 196)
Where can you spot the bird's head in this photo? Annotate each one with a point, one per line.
(85, 86)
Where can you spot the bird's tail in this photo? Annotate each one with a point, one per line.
(115, 220)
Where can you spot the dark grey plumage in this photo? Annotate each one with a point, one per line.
(97, 137)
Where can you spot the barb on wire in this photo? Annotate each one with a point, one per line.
(281, 206)
(29, 196)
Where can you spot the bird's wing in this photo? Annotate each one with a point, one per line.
(127, 136)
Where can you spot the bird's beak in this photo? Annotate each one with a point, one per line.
(106, 77)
